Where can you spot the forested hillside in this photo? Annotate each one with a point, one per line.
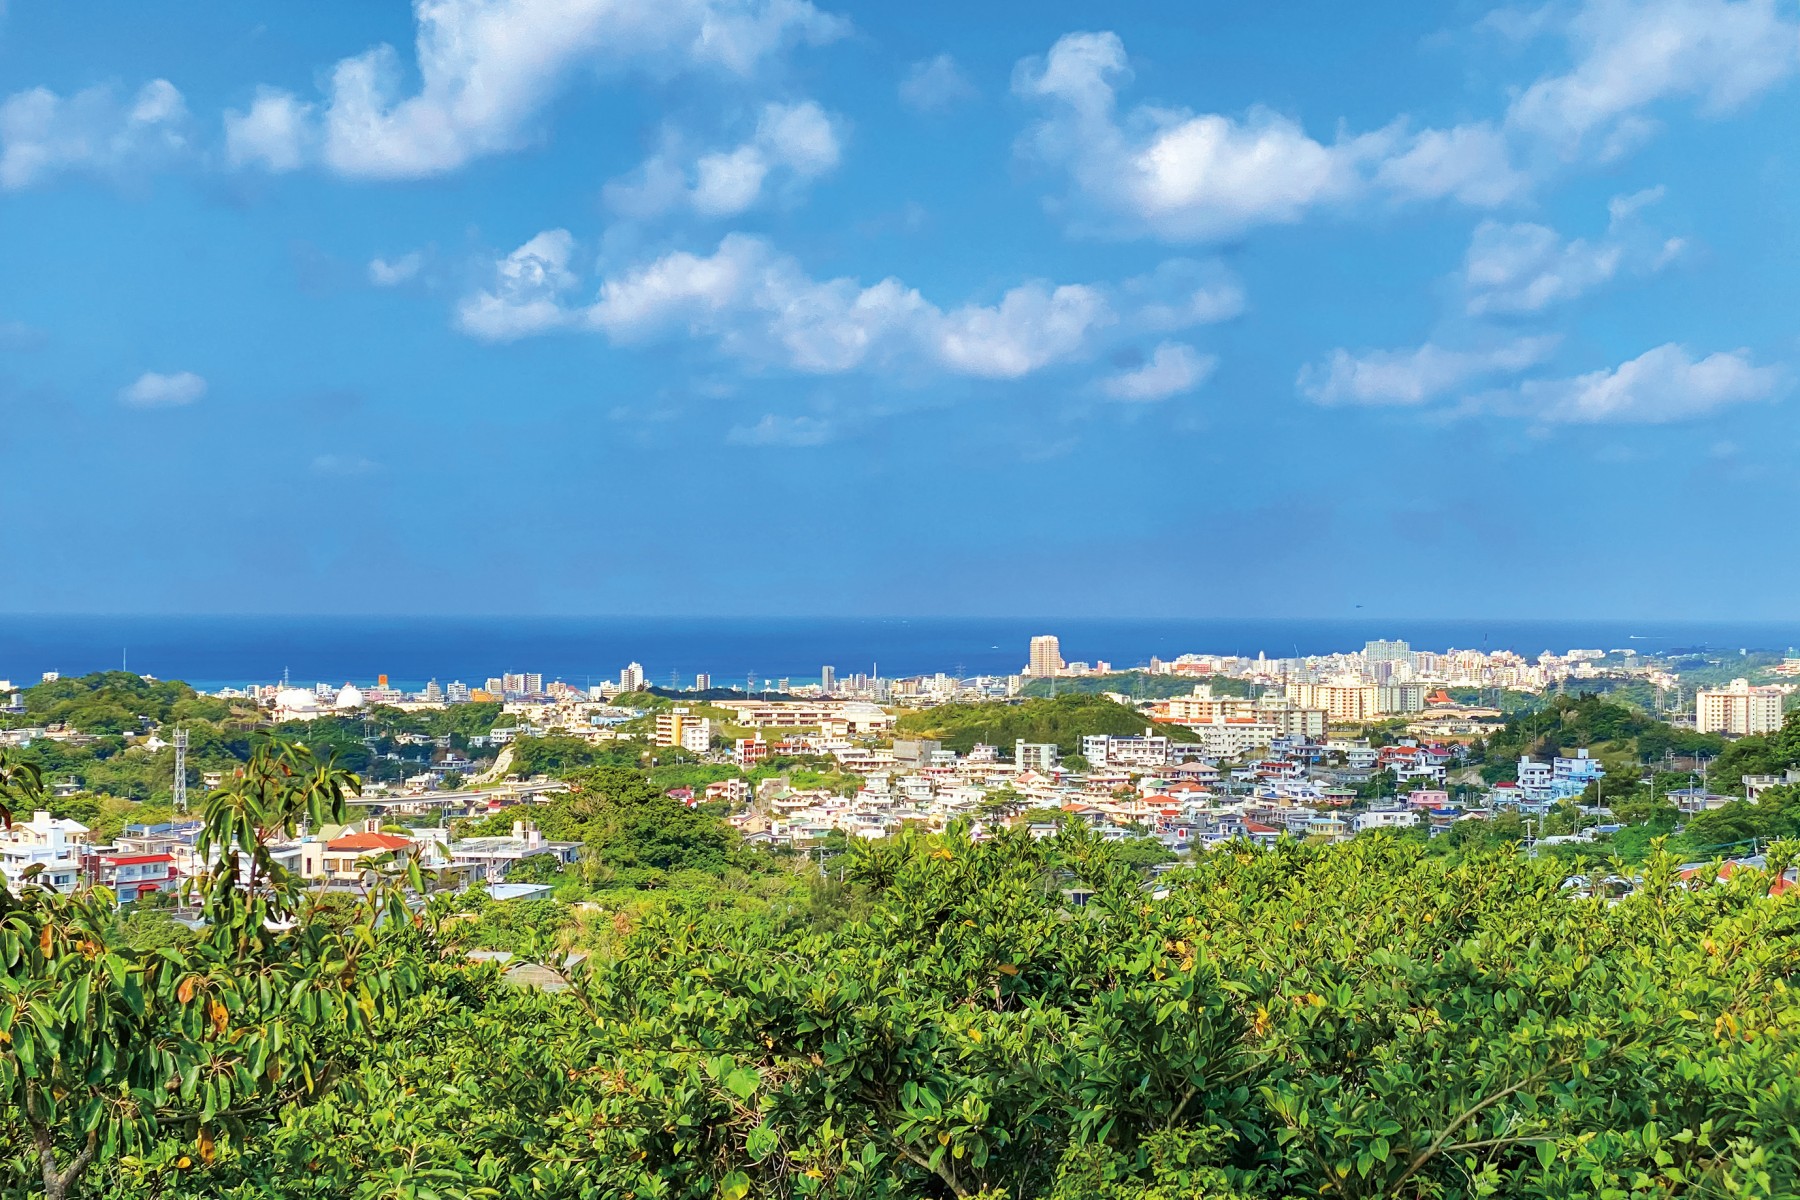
(116, 728)
(1614, 732)
(1062, 720)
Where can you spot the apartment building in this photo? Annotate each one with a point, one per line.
(1035, 756)
(53, 843)
(679, 726)
(1739, 709)
(854, 716)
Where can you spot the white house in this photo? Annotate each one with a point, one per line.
(54, 843)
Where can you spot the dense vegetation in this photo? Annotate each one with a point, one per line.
(118, 702)
(121, 1060)
(1615, 733)
(1357, 1021)
(107, 752)
(1062, 720)
(626, 821)
(1765, 754)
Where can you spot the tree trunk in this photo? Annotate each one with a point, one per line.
(58, 1182)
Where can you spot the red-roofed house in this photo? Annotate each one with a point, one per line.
(1262, 835)
(131, 876)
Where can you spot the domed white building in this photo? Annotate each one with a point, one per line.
(349, 698)
(296, 704)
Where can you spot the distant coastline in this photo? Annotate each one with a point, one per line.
(212, 651)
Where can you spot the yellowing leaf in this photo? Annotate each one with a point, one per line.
(1007, 969)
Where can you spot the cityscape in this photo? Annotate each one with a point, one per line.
(1323, 747)
(789, 600)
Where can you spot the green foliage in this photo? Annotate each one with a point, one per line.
(1062, 720)
(116, 1050)
(458, 722)
(1360, 1021)
(1763, 754)
(625, 822)
(536, 868)
(116, 702)
(1510, 703)
(1142, 853)
(561, 755)
(1622, 734)
(1776, 814)
(694, 775)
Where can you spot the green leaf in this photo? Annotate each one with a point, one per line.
(743, 1082)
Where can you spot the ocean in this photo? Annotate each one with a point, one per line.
(212, 652)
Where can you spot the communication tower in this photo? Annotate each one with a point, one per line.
(181, 744)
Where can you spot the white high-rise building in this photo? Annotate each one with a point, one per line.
(1738, 709)
(1046, 657)
(828, 680)
(632, 677)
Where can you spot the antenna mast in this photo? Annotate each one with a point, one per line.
(181, 745)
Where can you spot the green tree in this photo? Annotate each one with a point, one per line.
(107, 1047)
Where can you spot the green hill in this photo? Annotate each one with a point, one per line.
(1619, 735)
(1062, 720)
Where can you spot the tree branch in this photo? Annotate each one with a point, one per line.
(1426, 1155)
(942, 1171)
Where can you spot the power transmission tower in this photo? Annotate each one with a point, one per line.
(181, 744)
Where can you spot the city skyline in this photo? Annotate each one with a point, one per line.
(1298, 313)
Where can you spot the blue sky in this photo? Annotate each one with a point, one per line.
(777, 307)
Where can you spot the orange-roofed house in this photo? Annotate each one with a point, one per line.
(338, 857)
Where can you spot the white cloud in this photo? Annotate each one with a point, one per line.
(1182, 293)
(344, 464)
(795, 142)
(154, 390)
(1173, 368)
(773, 430)
(17, 335)
(761, 305)
(43, 135)
(1032, 327)
(1468, 163)
(1632, 54)
(276, 133)
(385, 273)
(936, 85)
(1414, 377)
(487, 69)
(1659, 386)
(1621, 209)
(527, 294)
(1524, 268)
(1520, 268)
(1187, 176)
